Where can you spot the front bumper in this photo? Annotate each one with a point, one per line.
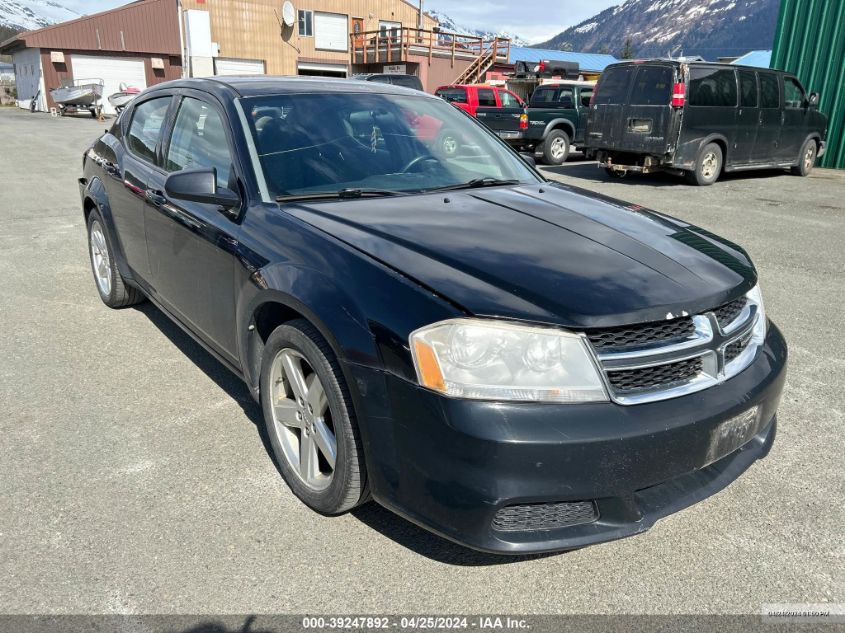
(822, 148)
(450, 465)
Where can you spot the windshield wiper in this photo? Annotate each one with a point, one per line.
(348, 193)
(476, 183)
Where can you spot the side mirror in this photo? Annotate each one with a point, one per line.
(813, 100)
(200, 185)
(529, 159)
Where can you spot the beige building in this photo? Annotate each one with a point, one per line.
(328, 38)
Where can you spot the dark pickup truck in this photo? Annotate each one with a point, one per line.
(553, 121)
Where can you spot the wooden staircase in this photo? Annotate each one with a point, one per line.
(481, 64)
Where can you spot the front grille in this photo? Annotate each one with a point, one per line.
(654, 361)
(656, 376)
(728, 313)
(534, 517)
(733, 350)
(637, 335)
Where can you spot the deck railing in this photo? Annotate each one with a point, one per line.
(396, 45)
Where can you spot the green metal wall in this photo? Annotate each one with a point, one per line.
(810, 42)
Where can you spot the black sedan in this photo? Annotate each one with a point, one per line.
(516, 365)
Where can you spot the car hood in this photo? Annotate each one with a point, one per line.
(543, 253)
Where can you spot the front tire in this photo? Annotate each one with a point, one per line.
(310, 421)
(111, 287)
(556, 147)
(708, 166)
(807, 159)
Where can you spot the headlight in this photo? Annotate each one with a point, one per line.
(493, 360)
(758, 334)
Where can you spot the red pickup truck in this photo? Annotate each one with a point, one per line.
(469, 97)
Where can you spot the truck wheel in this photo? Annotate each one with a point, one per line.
(556, 148)
(708, 166)
(807, 159)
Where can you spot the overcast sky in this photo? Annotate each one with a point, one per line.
(534, 20)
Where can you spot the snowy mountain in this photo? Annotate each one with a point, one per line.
(448, 24)
(710, 28)
(25, 15)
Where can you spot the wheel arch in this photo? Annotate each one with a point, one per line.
(560, 124)
(94, 197)
(718, 139)
(288, 293)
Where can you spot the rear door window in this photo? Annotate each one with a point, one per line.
(509, 99)
(713, 87)
(613, 85)
(586, 95)
(747, 89)
(486, 98)
(554, 97)
(145, 129)
(653, 86)
(793, 93)
(453, 95)
(769, 91)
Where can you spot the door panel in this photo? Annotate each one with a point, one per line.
(192, 245)
(795, 119)
(747, 118)
(766, 145)
(127, 184)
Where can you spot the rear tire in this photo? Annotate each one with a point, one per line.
(807, 158)
(310, 421)
(111, 287)
(708, 166)
(556, 148)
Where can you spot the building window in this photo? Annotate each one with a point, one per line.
(306, 23)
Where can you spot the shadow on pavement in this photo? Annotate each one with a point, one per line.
(373, 515)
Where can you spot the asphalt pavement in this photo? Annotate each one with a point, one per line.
(133, 478)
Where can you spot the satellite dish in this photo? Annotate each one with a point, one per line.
(288, 13)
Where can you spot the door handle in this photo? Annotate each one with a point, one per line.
(155, 198)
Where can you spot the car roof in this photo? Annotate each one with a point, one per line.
(678, 62)
(265, 85)
(469, 86)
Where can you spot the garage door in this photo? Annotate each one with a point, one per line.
(331, 31)
(112, 70)
(238, 67)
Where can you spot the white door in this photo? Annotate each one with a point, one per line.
(238, 66)
(112, 70)
(331, 31)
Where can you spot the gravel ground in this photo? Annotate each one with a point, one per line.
(133, 478)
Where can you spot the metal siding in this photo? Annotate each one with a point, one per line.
(810, 43)
(149, 26)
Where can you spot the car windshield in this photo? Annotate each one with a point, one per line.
(332, 142)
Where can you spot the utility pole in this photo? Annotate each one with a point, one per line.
(422, 21)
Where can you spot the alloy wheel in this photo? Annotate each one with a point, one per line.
(302, 420)
(558, 148)
(100, 258)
